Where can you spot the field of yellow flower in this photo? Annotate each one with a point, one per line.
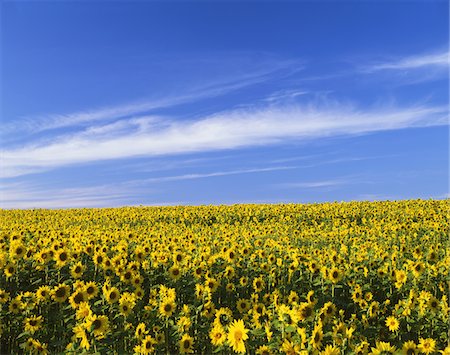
(334, 278)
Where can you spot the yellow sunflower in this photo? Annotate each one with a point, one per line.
(186, 344)
(427, 346)
(61, 257)
(60, 293)
(237, 334)
(392, 323)
(409, 348)
(383, 348)
(77, 270)
(112, 295)
(78, 297)
(91, 289)
(33, 324)
(167, 307)
(217, 335)
(98, 325)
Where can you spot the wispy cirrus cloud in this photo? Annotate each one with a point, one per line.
(314, 184)
(216, 174)
(138, 108)
(29, 195)
(257, 126)
(439, 60)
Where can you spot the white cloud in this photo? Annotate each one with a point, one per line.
(227, 130)
(27, 195)
(125, 111)
(314, 184)
(216, 174)
(433, 60)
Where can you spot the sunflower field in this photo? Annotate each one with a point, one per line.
(332, 278)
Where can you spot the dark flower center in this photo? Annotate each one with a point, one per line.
(60, 292)
(97, 324)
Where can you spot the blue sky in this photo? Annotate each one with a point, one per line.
(181, 102)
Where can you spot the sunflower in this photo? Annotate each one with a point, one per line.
(335, 275)
(174, 272)
(258, 284)
(259, 308)
(33, 324)
(212, 284)
(432, 256)
(433, 304)
(83, 311)
(43, 256)
(362, 348)
(417, 269)
(127, 276)
(98, 325)
(230, 287)
(126, 307)
(237, 334)
(198, 271)
(243, 305)
(160, 337)
(217, 335)
(112, 295)
(16, 305)
(147, 345)
(139, 292)
(230, 255)
(383, 348)
(409, 348)
(178, 257)
(167, 307)
(446, 351)
(140, 331)
(183, 324)
(28, 345)
(264, 350)
(357, 294)
(310, 297)
(305, 311)
(400, 278)
(79, 332)
(328, 310)
(289, 347)
(392, 323)
(77, 270)
(313, 267)
(427, 346)
(98, 258)
(208, 310)
(61, 257)
(40, 348)
(223, 317)
(243, 281)
(186, 343)
(330, 350)
(17, 250)
(137, 280)
(91, 289)
(9, 270)
(60, 293)
(317, 337)
(293, 298)
(78, 297)
(4, 296)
